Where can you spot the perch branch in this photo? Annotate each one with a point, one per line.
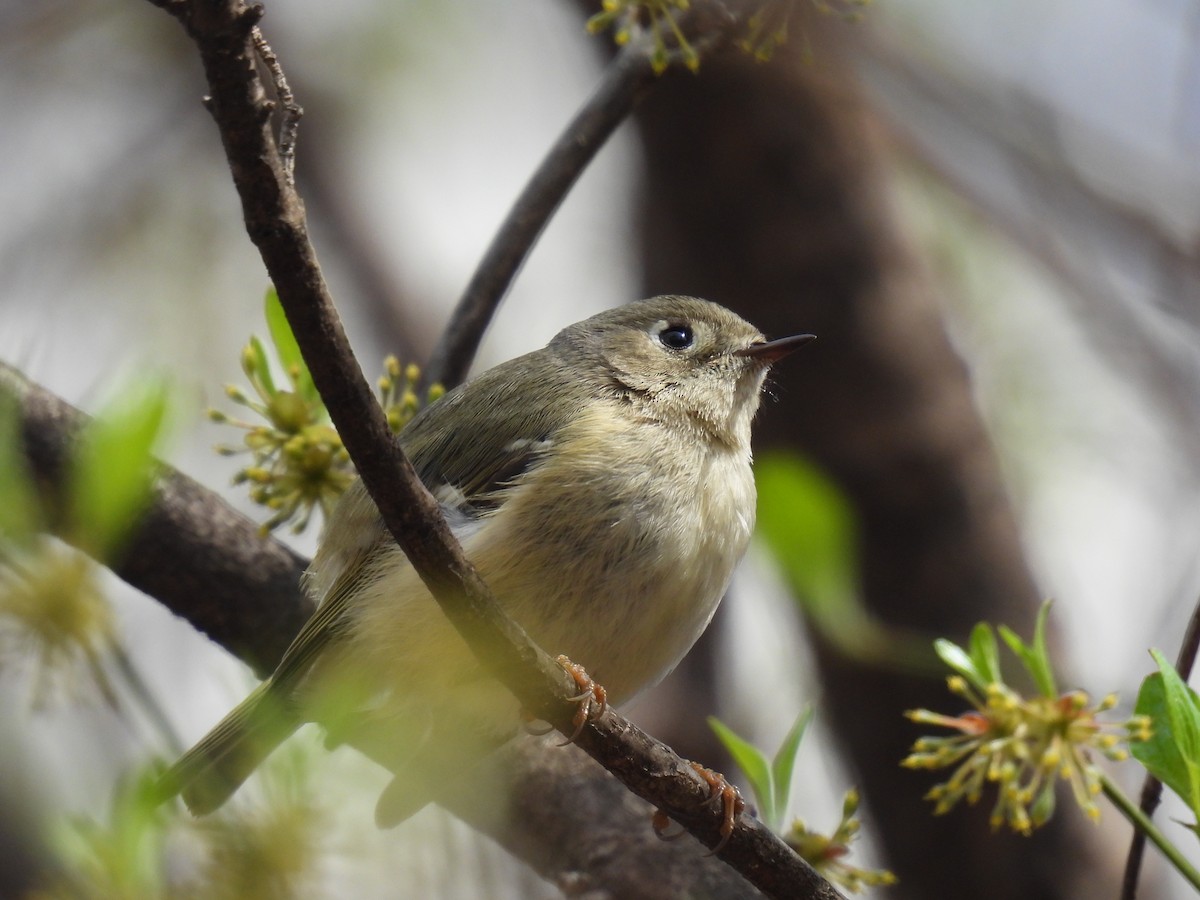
(275, 221)
(205, 555)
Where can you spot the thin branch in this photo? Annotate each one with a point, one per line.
(1152, 787)
(1141, 823)
(275, 221)
(626, 80)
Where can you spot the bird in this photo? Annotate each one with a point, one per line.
(601, 486)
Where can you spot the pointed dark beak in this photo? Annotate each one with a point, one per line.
(773, 351)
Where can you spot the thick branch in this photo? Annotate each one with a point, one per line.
(192, 552)
(206, 562)
(275, 222)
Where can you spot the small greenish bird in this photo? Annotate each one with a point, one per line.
(602, 488)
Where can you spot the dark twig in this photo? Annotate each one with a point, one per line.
(626, 80)
(275, 221)
(1152, 787)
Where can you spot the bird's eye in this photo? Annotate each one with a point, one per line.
(676, 337)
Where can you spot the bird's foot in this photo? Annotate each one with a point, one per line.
(592, 698)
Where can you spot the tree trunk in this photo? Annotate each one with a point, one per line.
(766, 190)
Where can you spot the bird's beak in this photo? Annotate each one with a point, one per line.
(773, 351)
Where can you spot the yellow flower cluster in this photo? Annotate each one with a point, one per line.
(1020, 745)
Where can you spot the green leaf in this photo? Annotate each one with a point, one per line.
(288, 349)
(113, 470)
(785, 762)
(20, 511)
(1044, 673)
(260, 365)
(754, 764)
(1043, 806)
(1173, 752)
(1160, 754)
(1036, 656)
(809, 528)
(960, 661)
(985, 654)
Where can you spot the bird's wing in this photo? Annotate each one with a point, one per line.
(496, 438)
(498, 433)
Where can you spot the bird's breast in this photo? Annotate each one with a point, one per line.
(617, 550)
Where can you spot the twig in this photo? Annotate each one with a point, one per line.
(153, 710)
(626, 80)
(275, 221)
(1142, 824)
(1152, 787)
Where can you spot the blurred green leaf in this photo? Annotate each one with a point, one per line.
(960, 661)
(1172, 754)
(122, 857)
(287, 348)
(259, 365)
(985, 654)
(1035, 656)
(785, 762)
(754, 764)
(20, 511)
(808, 526)
(114, 468)
(1159, 754)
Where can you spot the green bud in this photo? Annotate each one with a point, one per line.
(251, 360)
(288, 411)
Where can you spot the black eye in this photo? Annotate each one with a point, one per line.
(676, 337)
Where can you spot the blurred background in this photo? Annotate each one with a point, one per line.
(988, 213)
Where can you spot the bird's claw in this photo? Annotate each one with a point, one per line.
(592, 698)
(660, 822)
(530, 724)
(732, 803)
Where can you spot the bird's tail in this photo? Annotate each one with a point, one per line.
(208, 774)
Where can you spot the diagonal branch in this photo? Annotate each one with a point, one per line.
(625, 81)
(210, 565)
(192, 551)
(275, 221)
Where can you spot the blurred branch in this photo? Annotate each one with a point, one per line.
(356, 242)
(192, 552)
(275, 220)
(1040, 199)
(208, 564)
(626, 80)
